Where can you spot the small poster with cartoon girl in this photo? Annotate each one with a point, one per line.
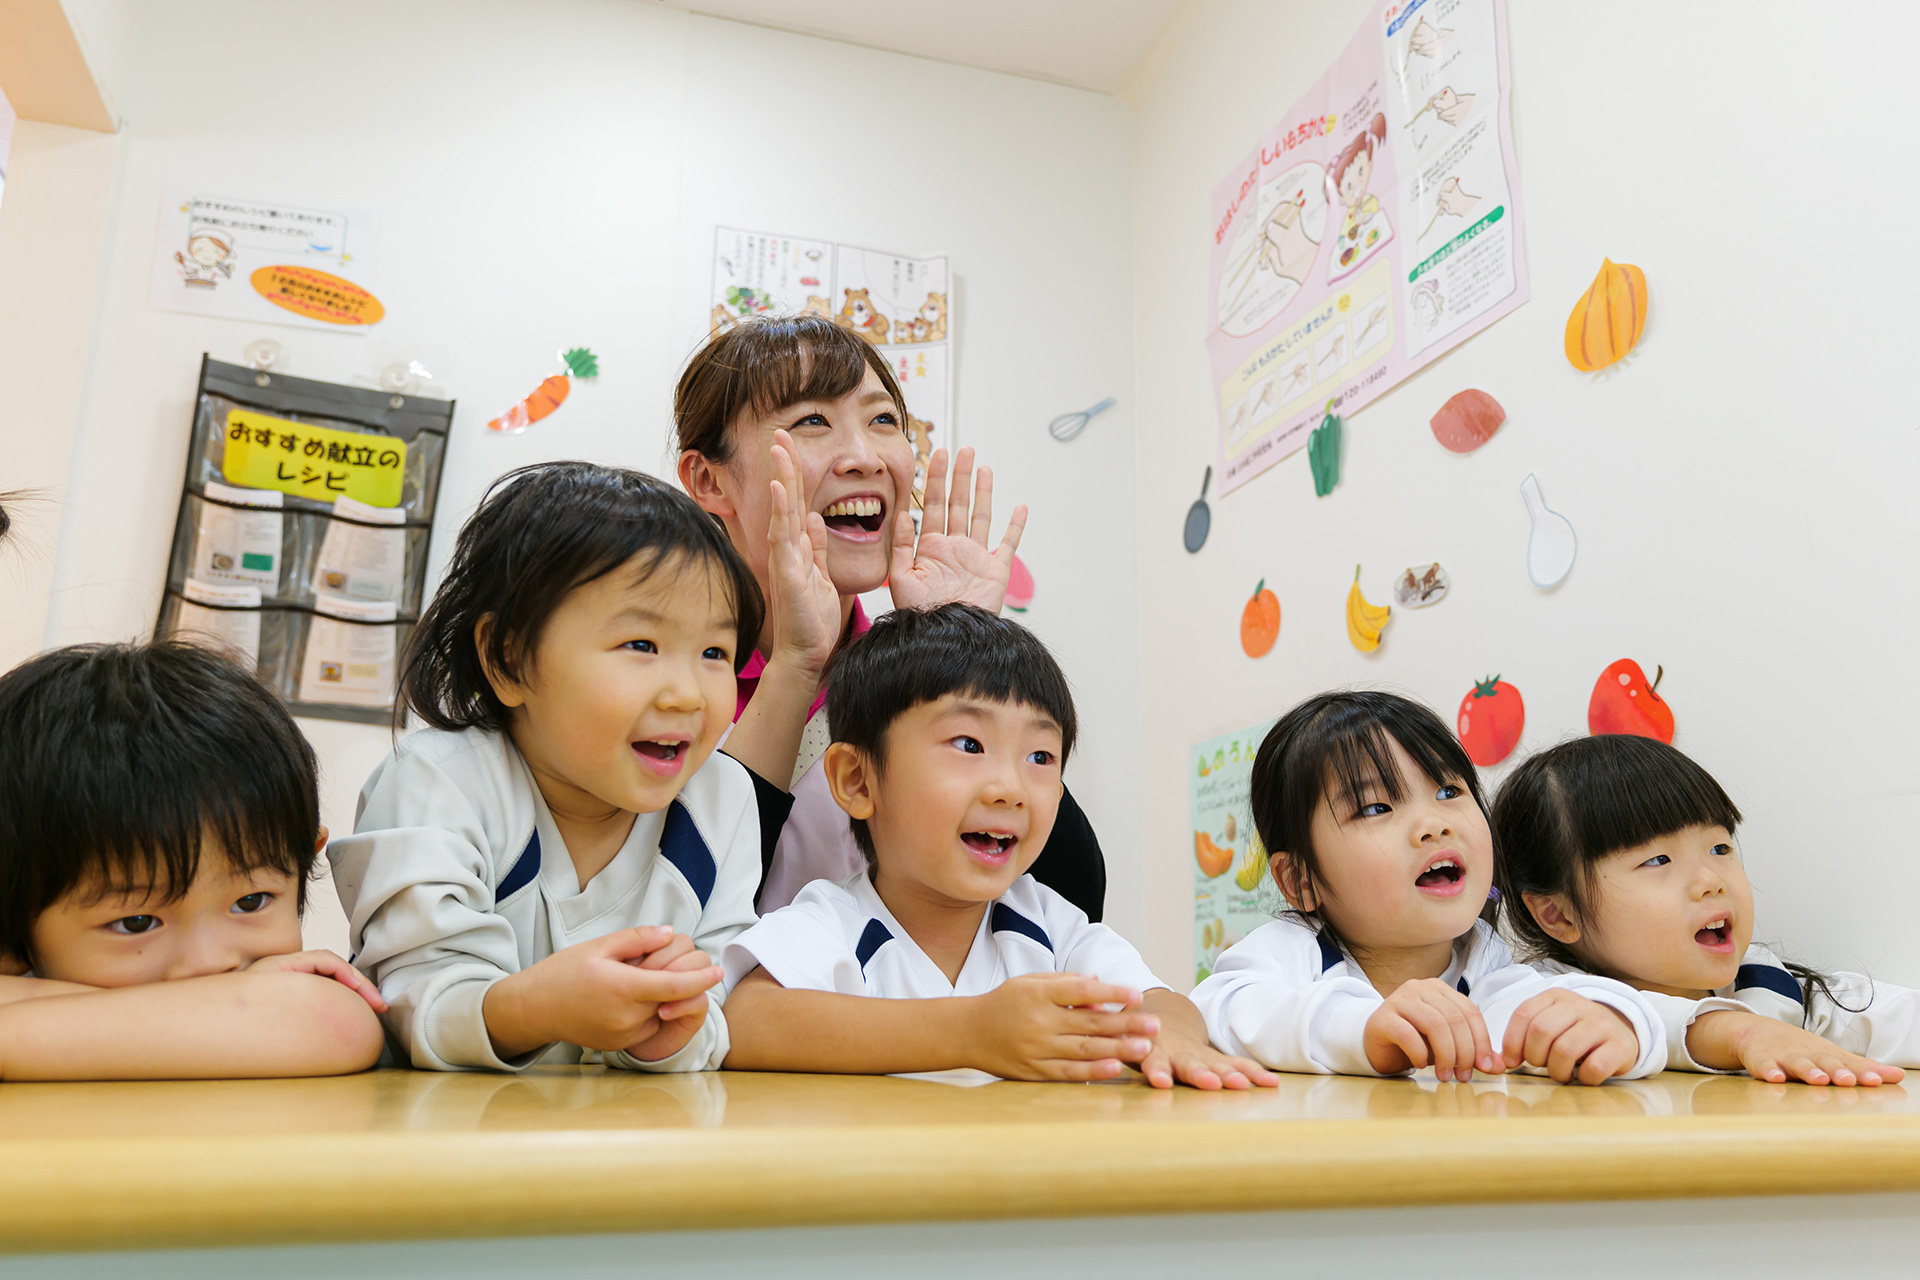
(265, 260)
(1363, 223)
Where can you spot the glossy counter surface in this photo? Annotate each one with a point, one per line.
(407, 1155)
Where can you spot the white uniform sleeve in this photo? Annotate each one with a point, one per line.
(414, 882)
(1500, 994)
(803, 945)
(1886, 1026)
(728, 820)
(1265, 1000)
(1093, 949)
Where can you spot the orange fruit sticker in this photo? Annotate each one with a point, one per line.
(317, 295)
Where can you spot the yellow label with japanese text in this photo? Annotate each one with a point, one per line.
(265, 452)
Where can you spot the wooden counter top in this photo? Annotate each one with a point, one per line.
(405, 1155)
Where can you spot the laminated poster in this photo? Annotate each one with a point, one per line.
(898, 304)
(265, 261)
(1375, 227)
(1228, 862)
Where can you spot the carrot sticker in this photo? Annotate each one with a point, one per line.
(550, 394)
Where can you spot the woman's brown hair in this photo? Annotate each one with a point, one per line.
(764, 364)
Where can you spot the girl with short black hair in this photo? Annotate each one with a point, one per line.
(542, 874)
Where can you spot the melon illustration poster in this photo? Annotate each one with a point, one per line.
(1376, 226)
(1228, 860)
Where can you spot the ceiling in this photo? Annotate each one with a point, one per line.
(1091, 44)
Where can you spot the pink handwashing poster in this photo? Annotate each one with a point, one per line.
(1374, 228)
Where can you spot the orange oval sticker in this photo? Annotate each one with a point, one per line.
(317, 295)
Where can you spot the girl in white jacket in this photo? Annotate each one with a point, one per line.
(1618, 858)
(1387, 959)
(548, 871)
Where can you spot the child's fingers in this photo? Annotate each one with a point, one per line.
(631, 944)
(359, 984)
(1469, 1030)
(1548, 1025)
(1077, 1070)
(1612, 1057)
(1090, 1048)
(1157, 1067)
(663, 986)
(1073, 990)
(1872, 1072)
(1097, 1022)
(982, 523)
(1763, 1067)
(1436, 1035)
(1513, 1046)
(673, 1009)
(678, 947)
(1570, 1049)
(1253, 1071)
(1405, 1037)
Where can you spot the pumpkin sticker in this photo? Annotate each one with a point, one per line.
(315, 295)
(1490, 722)
(1624, 702)
(1467, 421)
(1609, 318)
(1260, 621)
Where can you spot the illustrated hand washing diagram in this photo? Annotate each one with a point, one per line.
(1372, 229)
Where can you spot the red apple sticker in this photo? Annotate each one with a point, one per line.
(1623, 702)
(1490, 720)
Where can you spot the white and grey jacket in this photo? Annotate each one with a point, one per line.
(456, 877)
(1286, 996)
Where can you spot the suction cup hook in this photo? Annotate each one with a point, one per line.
(265, 355)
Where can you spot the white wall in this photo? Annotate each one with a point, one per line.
(1742, 490)
(547, 175)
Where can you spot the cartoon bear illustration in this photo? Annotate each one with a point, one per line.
(817, 306)
(720, 321)
(935, 314)
(857, 314)
(920, 431)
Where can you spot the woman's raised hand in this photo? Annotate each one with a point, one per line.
(802, 602)
(951, 561)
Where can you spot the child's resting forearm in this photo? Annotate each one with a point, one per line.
(230, 1025)
(16, 988)
(775, 1028)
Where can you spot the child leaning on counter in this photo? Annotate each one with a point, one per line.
(542, 874)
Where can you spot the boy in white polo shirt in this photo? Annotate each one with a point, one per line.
(950, 727)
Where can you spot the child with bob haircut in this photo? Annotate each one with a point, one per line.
(159, 821)
(1618, 858)
(1387, 960)
(542, 874)
(950, 727)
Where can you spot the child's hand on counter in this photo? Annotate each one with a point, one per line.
(1047, 1026)
(326, 964)
(1775, 1051)
(1571, 1038)
(1182, 1053)
(1424, 1022)
(600, 994)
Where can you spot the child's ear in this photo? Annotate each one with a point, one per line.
(508, 691)
(320, 842)
(850, 779)
(1293, 881)
(1550, 913)
(700, 478)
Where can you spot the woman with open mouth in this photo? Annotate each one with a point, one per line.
(792, 434)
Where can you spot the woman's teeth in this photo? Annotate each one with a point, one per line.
(854, 507)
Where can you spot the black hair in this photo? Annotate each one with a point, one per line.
(914, 656)
(1566, 809)
(1337, 746)
(119, 762)
(540, 533)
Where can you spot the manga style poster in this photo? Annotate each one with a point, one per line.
(1375, 227)
(899, 305)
